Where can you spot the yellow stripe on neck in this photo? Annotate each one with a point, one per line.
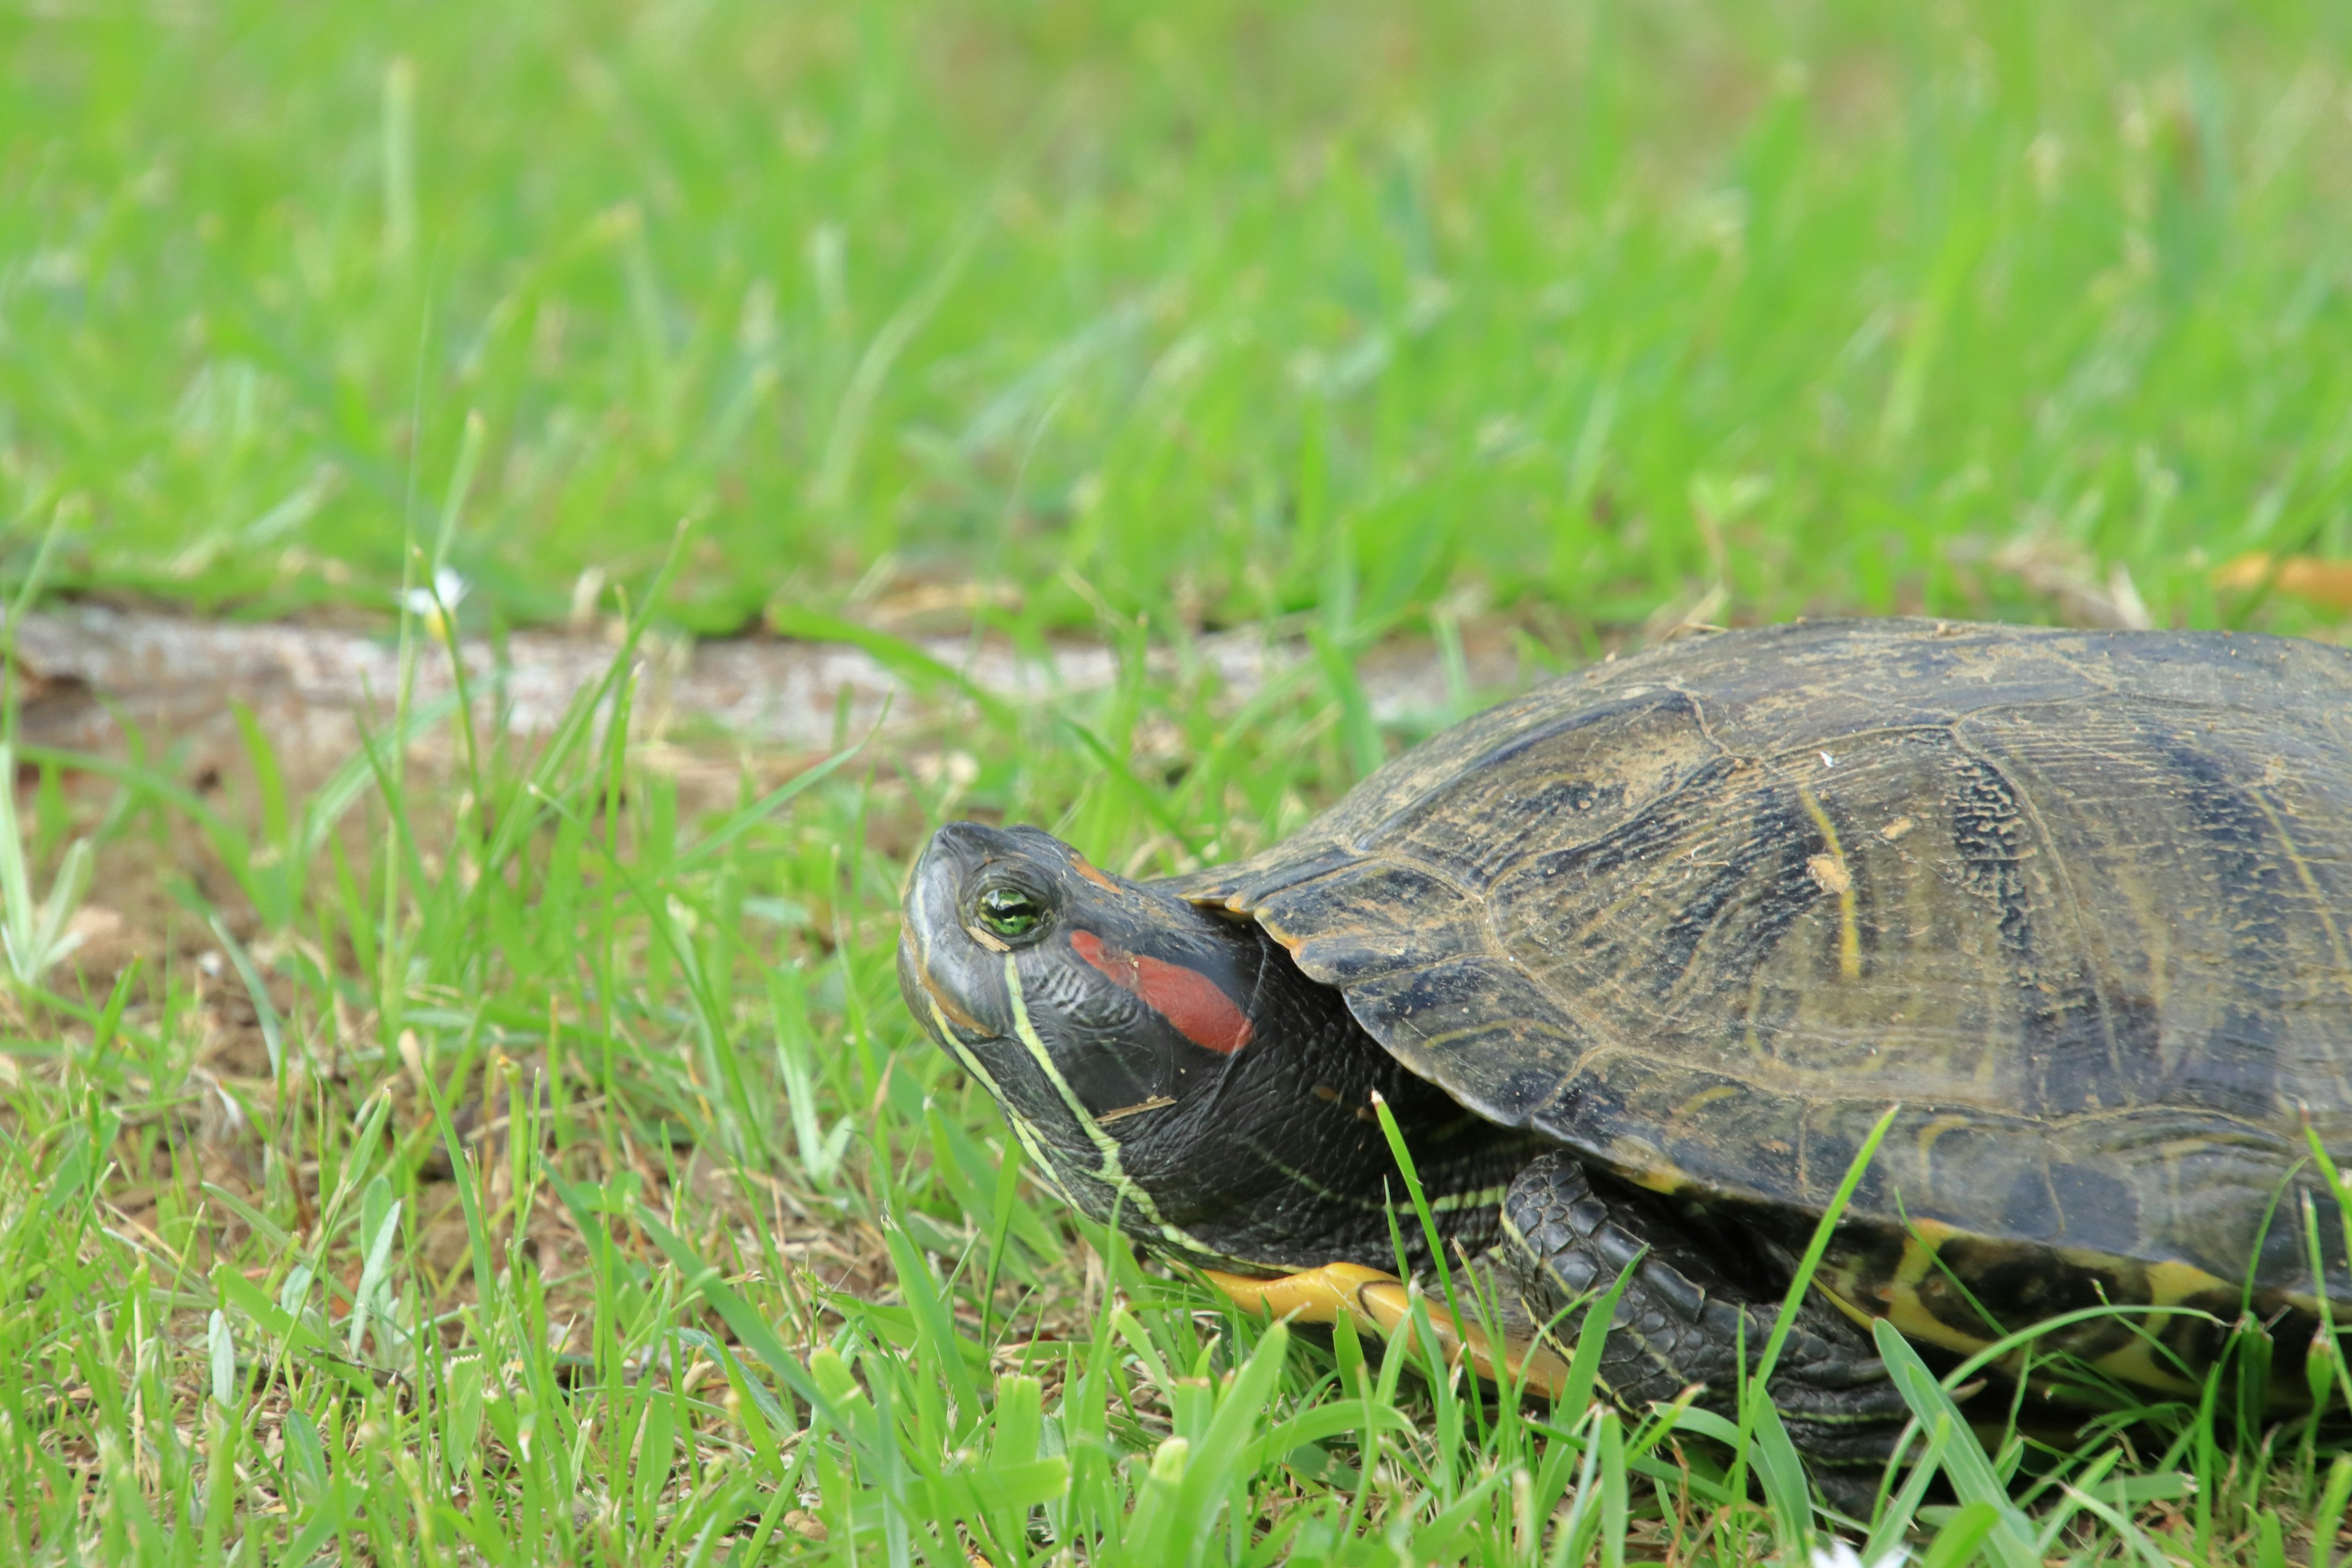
(1110, 1173)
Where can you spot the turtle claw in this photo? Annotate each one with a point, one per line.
(1382, 1303)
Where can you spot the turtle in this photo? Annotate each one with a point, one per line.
(1640, 960)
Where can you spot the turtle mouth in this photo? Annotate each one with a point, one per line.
(938, 972)
(915, 980)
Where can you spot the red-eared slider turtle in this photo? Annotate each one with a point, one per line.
(1640, 958)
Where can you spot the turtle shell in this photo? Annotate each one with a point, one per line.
(2080, 904)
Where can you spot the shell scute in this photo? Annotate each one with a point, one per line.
(1580, 777)
(1476, 1025)
(1396, 916)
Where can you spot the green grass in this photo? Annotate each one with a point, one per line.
(521, 1152)
(526, 1156)
(1212, 311)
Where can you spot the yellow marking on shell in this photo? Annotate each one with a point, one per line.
(1935, 1232)
(2320, 903)
(1898, 1297)
(1901, 1303)
(1383, 1303)
(2137, 1362)
(2171, 1282)
(1909, 1311)
(1937, 1129)
(1645, 1164)
(1838, 879)
(1704, 1098)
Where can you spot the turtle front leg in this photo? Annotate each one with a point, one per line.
(1683, 1319)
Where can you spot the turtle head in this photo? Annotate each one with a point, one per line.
(1173, 1068)
(1090, 1005)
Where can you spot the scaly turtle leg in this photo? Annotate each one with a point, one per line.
(1683, 1319)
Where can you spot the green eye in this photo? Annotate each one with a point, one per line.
(1009, 912)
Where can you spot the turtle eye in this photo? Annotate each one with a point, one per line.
(1010, 912)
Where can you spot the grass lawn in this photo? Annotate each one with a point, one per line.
(470, 1151)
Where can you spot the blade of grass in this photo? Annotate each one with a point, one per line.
(2012, 1540)
(1755, 1386)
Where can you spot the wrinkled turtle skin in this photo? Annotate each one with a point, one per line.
(2078, 903)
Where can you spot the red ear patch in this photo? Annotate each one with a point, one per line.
(1190, 1000)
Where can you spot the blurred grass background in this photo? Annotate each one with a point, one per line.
(1207, 312)
(1042, 316)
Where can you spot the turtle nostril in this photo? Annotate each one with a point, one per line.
(970, 842)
